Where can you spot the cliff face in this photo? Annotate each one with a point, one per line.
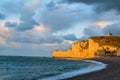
(78, 50)
(90, 48)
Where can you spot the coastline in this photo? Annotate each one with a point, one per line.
(95, 66)
(112, 72)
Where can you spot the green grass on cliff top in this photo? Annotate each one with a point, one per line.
(107, 40)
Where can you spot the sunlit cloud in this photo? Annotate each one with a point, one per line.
(102, 24)
(2, 27)
(41, 28)
(32, 4)
(36, 2)
(4, 31)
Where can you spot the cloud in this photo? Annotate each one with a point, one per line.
(60, 16)
(102, 24)
(11, 24)
(50, 47)
(26, 10)
(4, 31)
(71, 37)
(2, 16)
(2, 41)
(114, 29)
(105, 22)
(101, 5)
(93, 31)
(97, 30)
(36, 36)
(40, 28)
(39, 34)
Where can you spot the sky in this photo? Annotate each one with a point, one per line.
(37, 27)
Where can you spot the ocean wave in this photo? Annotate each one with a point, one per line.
(98, 66)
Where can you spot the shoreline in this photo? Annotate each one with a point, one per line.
(111, 72)
(92, 68)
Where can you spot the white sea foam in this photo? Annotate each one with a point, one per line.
(92, 68)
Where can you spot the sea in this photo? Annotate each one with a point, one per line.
(43, 68)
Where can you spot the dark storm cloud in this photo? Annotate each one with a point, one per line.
(51, 5)
(55, 16)
(9, 24)
(60, 16)
(24, 9)
(26, 25)
(101, 5)
(27, 19)
(90, 1)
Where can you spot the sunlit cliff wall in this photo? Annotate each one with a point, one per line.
(78, 50)
(93, 47)
(88, 48)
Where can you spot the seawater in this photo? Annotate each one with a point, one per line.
(38, 68)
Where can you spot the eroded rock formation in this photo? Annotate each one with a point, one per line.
(94, 46)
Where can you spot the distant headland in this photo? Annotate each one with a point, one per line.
(108, 45)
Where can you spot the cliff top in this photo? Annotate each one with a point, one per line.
(107, 40)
